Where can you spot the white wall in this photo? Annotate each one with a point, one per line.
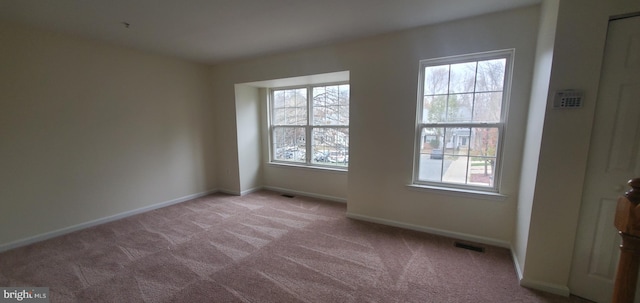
(535, 123)
(88, 131)
(383, 77)
(577, 56)
(249, 137)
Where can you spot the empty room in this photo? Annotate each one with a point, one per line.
(315, 151)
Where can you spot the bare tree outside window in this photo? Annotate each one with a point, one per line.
(462, 120)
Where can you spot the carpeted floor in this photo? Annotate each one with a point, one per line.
(261, 247)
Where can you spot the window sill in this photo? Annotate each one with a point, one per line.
(310, 167)
(465, 193)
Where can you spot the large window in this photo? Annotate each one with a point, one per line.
(310, 125)
(461, 120)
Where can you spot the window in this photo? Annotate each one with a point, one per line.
(461, 120)
(318, 112)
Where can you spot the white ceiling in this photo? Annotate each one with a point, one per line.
(218, 30)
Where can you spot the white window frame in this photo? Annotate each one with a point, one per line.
(500, 125)
(309, 126)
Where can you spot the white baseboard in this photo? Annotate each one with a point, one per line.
(239, 193)
(306, 194)
(561, 290)
(516, 264)
(70, 229)
(251, 190)
(229, 192)
(435, 231)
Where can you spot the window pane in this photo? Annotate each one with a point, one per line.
(436, 80)
(289, 144)
(345, 93)
(484, 148)
(330, 146)
(431, 154)
(319, 105)
(434, 109)
(459, 108)
(343, 100)
(294, 116)
(290, 107)
(431, 166)
(431, 138)
(462, 78)
(456, 171)
(278, 116)
(481, 171)
(278, 99)
(490, 75)
(487, 107)
(484, 141)
(457, 141)
(331, 105)
(301, 98)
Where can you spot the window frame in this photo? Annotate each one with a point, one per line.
(309, 126)
(501, 125)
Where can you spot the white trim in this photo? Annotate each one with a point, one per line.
(251, 190)
(314, 167)
(465, 193)
(557, 289)
(435, 231)
(561, 290)
(70, 229)
(306, 194)
(229, 192)
(340, 76)
(516, 264)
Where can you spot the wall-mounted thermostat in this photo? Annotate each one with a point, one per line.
(568, 98)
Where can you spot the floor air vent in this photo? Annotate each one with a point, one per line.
(469, 247)
(288, 196)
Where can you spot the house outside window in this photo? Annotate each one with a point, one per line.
(462, 110)
(309, 125)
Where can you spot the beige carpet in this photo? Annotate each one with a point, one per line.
(262, 247)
